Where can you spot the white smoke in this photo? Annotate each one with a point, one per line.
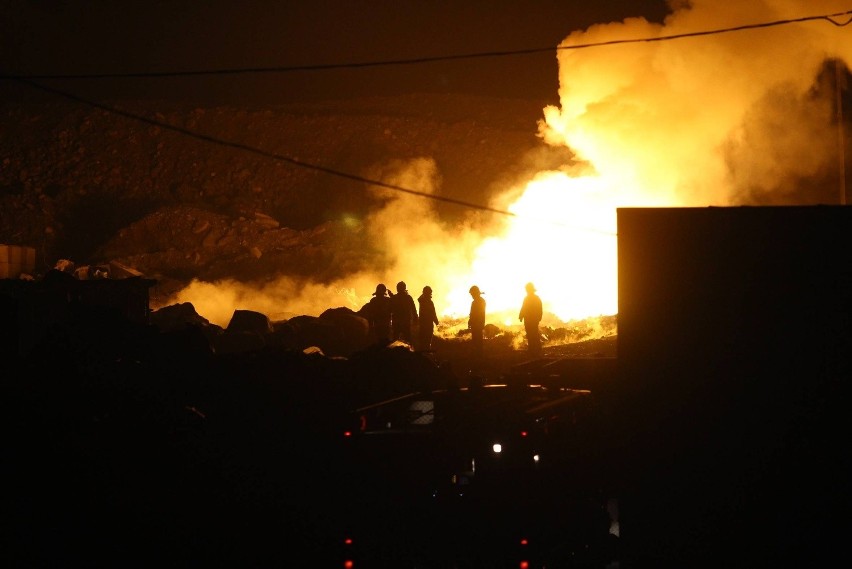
(729, 118)
(718, 119)
(413, 245)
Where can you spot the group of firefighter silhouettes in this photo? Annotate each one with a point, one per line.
(394, 316)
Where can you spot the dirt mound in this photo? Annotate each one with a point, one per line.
(238, 192)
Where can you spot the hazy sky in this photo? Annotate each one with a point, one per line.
(64, 37)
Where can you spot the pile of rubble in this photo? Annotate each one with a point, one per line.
(96, 187)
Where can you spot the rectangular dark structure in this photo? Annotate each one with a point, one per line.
(734, 350)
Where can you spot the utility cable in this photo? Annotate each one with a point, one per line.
(419, 60)
(27, 79)
(283, 158)
(827, 17)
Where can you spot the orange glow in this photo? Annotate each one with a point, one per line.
(524, 564)
(562, 239)
(655, 124)
(348, 564)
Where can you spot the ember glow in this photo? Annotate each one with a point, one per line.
(738, 118)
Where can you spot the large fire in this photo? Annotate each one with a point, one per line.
(735, 118)
(562, 239)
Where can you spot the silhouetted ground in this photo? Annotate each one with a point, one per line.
(126, 450)
(500, 358)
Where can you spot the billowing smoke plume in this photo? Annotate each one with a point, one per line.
(413, 247)
(739, 117)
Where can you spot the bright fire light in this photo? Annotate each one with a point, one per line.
(728, 119)
(562, 238)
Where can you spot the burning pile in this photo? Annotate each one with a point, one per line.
(743, 116)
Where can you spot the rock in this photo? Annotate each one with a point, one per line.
(249, 321)
(141, 192)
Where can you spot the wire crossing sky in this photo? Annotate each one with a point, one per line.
(831, 18)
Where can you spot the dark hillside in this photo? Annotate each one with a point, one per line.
(89, 185)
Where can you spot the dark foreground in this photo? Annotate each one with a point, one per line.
(153, 456)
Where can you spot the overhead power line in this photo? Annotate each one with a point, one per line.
(827, 17)
(254, 150)
(28, 79)
(431, 59)
(288, 159)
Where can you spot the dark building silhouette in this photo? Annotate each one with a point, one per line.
(733, 376)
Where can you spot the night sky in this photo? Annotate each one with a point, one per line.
(109, 37)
